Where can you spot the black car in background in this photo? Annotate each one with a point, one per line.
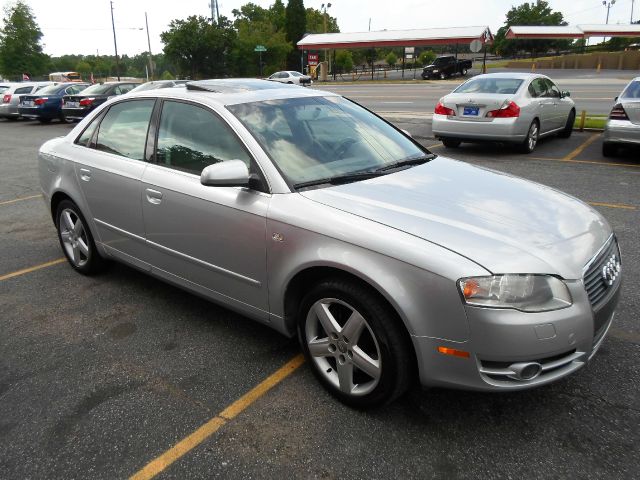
(46, 104)
(76, 107)
(446, 66)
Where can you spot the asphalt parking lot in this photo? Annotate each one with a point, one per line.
(121, 375)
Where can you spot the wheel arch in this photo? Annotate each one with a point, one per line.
(297, 287)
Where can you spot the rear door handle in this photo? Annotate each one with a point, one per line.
(153, 196)
(85, 174)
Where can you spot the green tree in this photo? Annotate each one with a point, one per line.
(316, 22)
(166, 75)
(83, 68)
(295, 26)
(426, 57)
(538, 13)
(344, 61)
(198, 48)
(20, 48)
(391, 59)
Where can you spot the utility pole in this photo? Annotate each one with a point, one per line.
(115, 43)
(149, 43)
(632, 3)
(215, 12)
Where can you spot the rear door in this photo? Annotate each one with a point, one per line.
(109, 166)
(543, 104)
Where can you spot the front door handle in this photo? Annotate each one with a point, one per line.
(85, 174)
(153, 196)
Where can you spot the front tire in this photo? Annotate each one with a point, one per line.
(354, 343)
(464, 72)
(76, 239)
(529, 143)
(568, 128)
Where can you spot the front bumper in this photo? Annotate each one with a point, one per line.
(561, 342)
(621, 131)
(495, 130)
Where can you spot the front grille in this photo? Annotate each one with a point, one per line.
(603, 273)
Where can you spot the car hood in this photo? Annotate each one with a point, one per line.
(504, 223)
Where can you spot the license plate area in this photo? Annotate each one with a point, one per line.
(72, 104)
(27, 103)
(470, 111)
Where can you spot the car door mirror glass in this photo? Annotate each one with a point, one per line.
(232, 173)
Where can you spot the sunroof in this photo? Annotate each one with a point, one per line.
(234, 85)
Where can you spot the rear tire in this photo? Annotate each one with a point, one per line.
(609, 149)
(568, 128)
(529, 143)
(354, 343)
(451, 142)
(76, 239)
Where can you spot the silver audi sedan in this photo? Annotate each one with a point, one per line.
(517, 108)
(306, 212)
(623, 125)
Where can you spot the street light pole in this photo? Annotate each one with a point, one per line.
(608, 5)
(115, 43)
(149, 43)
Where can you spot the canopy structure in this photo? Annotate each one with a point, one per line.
(576, 31)
(396, 38)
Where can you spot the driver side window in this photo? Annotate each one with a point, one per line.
(191, 138)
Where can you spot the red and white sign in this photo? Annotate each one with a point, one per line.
(312, 59)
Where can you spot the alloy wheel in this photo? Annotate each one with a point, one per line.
(532, 139)
(74, 237)
(343, 346)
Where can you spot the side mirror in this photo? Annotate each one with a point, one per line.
(232, 173)
(615, 99)
(406, 132)
(565, 94)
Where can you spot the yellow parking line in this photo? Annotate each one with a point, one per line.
(592, 162)
(613, 205)
(435, 145)
(194, 439)
(7, 276)
(584, 145)
(7, 202)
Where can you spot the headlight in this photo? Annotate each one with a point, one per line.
(528, 293)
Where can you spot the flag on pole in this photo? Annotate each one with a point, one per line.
(25, 77)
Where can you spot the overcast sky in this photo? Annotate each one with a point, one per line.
(84, 27)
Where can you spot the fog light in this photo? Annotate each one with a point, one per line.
(525, 371)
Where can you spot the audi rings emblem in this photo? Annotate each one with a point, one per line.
(611, 270)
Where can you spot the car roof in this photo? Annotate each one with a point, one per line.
(516, 75)
(232, 91)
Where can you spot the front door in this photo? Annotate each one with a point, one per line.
(211, 239)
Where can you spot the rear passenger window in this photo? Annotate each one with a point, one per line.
(123, 130)
(191, 138)
(86, 136)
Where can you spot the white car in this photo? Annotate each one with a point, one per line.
(623, 125)
(291, 77)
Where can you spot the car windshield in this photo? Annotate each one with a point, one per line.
(505, 86)
(315, 138)
(632, 91)
(97, 89)
(48, 90)
(440, 60)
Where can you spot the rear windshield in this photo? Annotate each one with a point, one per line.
(4, 88)
(97, 89)
(505, 86)
(50, 89)
(632, 91)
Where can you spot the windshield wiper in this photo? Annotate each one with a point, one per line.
(408, 162)
(340, 179)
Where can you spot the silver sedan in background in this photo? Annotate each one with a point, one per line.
(623, 125)
(504, 107)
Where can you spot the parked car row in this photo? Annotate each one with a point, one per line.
(521, 108)
(65, 101)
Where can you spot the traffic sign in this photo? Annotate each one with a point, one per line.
(476, 46)
(260, 48)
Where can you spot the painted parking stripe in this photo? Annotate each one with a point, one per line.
(589, 162)
(15, 200)
(7, 276)
(613, 205)
(581, 147)
(184, 446)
